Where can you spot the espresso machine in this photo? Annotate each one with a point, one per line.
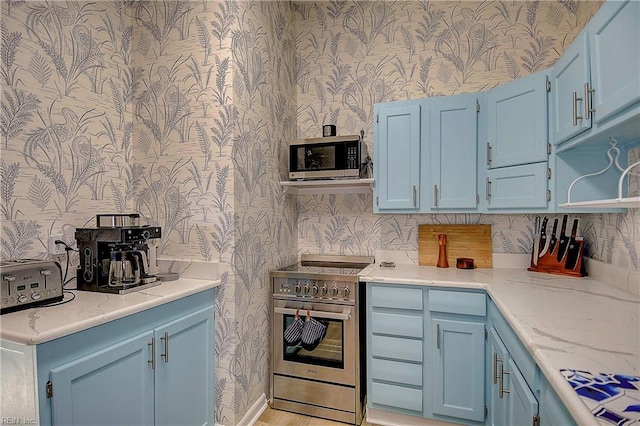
(114, 256)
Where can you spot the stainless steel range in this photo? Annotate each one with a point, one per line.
(316, 350)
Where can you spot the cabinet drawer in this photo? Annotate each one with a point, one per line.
(399, 372)
(396, 297)
(458, 302)
(517, 187)
(396, 348)
(398, 324)
(396, 396)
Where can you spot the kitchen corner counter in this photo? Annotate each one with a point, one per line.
(42, 324)
(564, 322)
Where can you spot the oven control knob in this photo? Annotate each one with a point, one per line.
(314, 290)
(35, 296)
(346, 292)
(297, 288)
(306, 289)
(334, 291)
(324, 290)
(22, 298)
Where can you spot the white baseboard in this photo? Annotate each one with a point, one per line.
(255, 411)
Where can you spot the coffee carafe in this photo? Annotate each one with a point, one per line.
(124, 268)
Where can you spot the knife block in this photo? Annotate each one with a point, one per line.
(549, 263)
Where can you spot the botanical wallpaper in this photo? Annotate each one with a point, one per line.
(178, 110)
(182, 110)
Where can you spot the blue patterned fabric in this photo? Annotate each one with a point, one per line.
(613, 398)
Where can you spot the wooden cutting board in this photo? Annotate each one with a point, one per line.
(472, 241)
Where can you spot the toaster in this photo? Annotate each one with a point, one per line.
(28, 283)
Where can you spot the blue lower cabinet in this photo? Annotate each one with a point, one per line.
(425, 352)
(155, 367)
(395, 345)
(552, 410)
(522, 405)
(458, 368)
(120, 375)
(184, 370)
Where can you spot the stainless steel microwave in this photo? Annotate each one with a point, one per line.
(326, 158)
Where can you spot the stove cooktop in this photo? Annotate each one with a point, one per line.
(317, 265)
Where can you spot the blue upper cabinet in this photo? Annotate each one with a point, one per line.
(614, 35)
(595, 85)
(517, 148)
(517, 122)
(397, 157)
(453, 148)
(568, 77)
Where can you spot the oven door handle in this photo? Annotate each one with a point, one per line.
(345, 315)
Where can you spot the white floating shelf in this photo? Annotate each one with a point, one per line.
(327, 186)
(626, 202)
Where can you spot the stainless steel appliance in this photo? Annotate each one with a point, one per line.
(115, 256)
(327, 157)
(325, 380)
(28, 283)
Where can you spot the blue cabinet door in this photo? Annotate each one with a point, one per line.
(397, 157)
(568, 77)
(496, 401)
(522, 405)
(113, 386)
(517, 116)
(614, 33)
(185, 370)
(454, 145)
(458, 368)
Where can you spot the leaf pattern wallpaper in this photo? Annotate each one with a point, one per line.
(182, 110)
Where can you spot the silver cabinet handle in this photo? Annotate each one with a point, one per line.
(438, 336)
(502, 390)
(576, 117)
(165, 355)
(488, 189)
(153, 353)
(488, 154)
(435, 195)
(415, 196)
(588, 101)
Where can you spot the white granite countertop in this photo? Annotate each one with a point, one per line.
(88, 309)
(564, 322)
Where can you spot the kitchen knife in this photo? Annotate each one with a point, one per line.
(573, 249)
(554, 239)
(544, 241)
(536, 241)
(564, 239)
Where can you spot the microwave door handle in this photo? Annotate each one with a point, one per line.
(345, 315)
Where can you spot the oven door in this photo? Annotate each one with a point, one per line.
(333, 359)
